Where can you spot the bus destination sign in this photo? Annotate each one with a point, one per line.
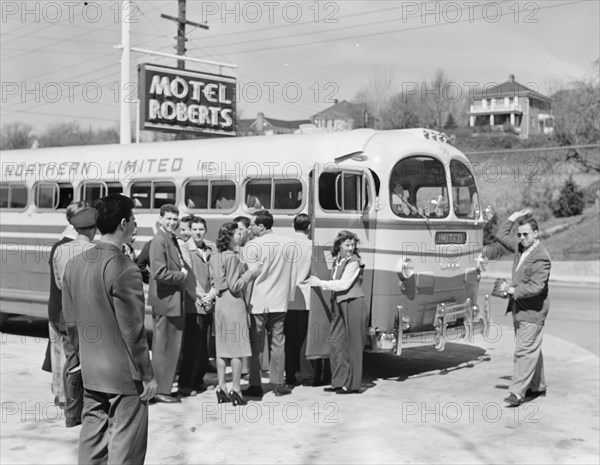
(454, 237)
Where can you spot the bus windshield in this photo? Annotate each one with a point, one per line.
(464, 192)
(418, 188)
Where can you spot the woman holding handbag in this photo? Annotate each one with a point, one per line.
(232, 331)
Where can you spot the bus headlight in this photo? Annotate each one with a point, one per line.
(405, 268)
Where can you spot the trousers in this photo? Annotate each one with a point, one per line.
(528, 369)
(114, 429)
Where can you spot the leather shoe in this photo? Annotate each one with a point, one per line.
(513, 401)
(331, 389)
(345, 390)
(282, 390)
(253, 391)
(535, 394)
(167, 399)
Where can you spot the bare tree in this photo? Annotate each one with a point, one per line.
(16, 136)
(376, 94)
(576, 109)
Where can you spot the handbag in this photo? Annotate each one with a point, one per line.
(499, 284)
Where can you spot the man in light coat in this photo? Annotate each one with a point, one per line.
(269, 300)
(529, 304)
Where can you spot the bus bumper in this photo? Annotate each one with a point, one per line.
(475, 320)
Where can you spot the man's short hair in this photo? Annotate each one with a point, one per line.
(193, 219)
(528, 220)
(301, 222)
(242, 219)
(110, 210)
(263, 217)
(170, 208)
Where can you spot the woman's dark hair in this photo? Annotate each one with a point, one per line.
(225, 237)
(343, 236)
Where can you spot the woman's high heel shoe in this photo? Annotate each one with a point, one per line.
(237, 399)
(222, 396)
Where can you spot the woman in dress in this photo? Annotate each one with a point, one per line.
(349, 328)
(232, 331)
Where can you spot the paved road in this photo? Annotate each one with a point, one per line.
(574, 312)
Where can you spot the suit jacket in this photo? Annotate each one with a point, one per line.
(301, 296)
(166, 278)
(199, 260)
(104, 298)
(55, 314)
(530, 301)
(276, 282)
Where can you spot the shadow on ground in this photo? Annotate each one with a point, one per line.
(423, 361)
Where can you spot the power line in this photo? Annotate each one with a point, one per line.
(379, 33)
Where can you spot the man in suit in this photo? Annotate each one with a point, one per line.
(103, 297)
(198, 310)
(168, 273)
(82, 219)
(55, 359)
(269, 300)
(529, 304)
(296, 318)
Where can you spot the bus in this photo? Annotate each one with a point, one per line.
(409, 195)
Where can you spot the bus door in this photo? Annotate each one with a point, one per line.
(340, 197)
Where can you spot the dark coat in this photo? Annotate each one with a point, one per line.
(530, 301)
(166, 278)
(104, 297)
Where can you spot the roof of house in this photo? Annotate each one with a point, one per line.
(510, 88)
(342, 110)
(248, 124)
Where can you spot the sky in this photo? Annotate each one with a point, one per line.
(59, 60)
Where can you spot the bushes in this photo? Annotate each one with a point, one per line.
(571, 200)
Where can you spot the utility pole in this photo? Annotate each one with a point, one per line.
(181, 22)
(125, 129)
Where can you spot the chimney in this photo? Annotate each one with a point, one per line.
(260, 123)
(336, 101)
(511, 78)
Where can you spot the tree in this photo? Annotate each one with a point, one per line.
(437, 99)
(16, 136)
(376, 94)
(577, 118)
(450, 123)
(570, 201)
(71, 133)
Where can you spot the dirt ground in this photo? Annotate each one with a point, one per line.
(423, 407)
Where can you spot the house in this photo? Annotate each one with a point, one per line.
(342, 116)
(264, 126)
(512, 106)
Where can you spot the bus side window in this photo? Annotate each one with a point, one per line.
(195, 194)
(258, 194)
(164, 192)
(153, 194)
(52, 196)
(13, 196)
(222, 195)
(342, 191)
(288, 194)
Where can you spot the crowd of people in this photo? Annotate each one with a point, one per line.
(249, 292)
(243, 300)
